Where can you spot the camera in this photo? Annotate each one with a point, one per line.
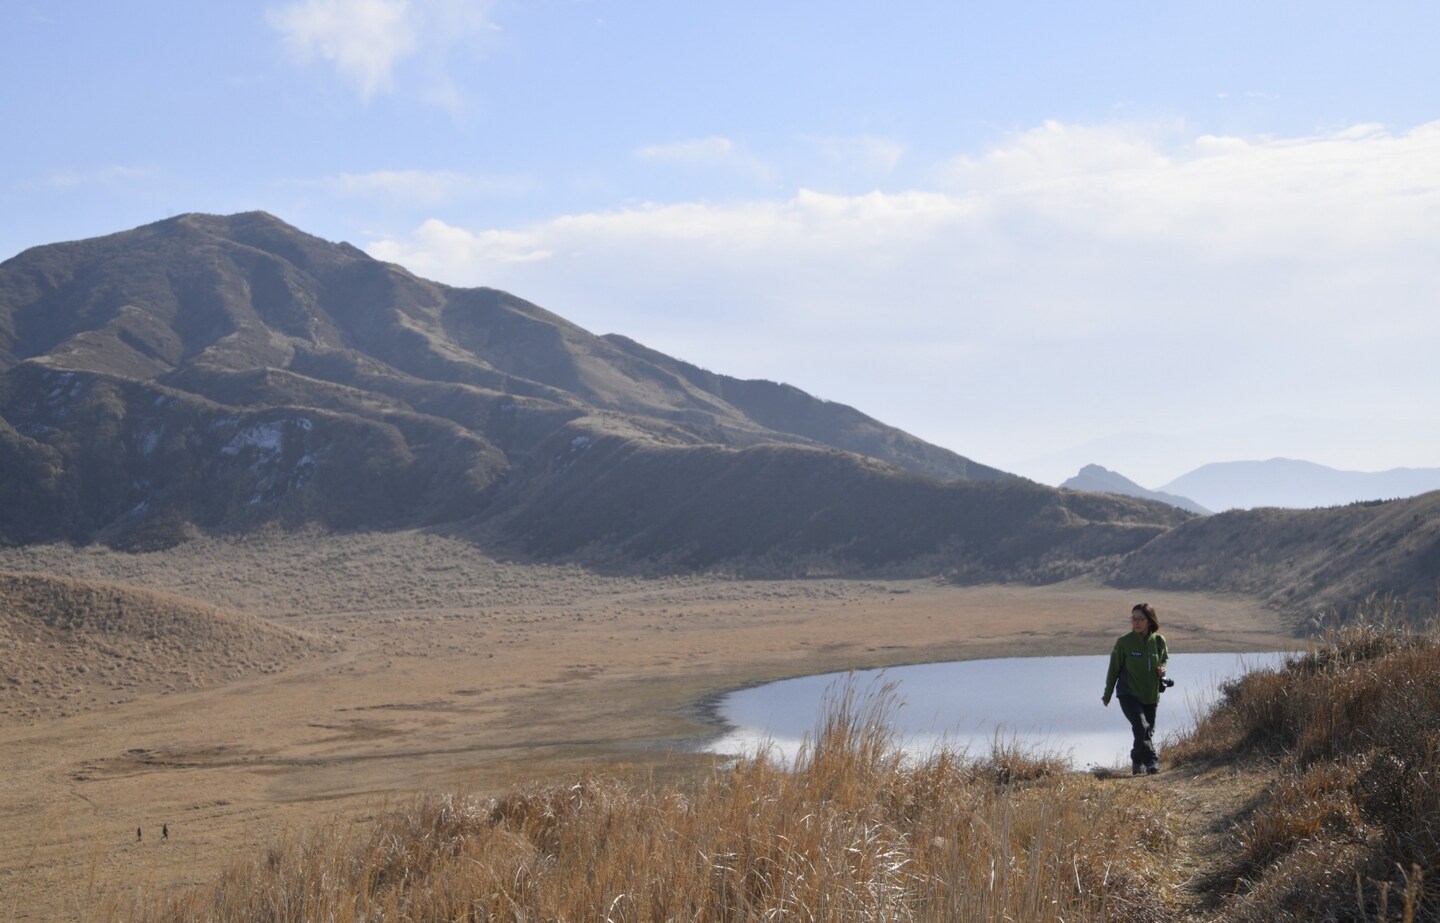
(1166, 683)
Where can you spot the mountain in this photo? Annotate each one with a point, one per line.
(1284, 482)
(223, 372)
(1096, 479)
(1314, 560)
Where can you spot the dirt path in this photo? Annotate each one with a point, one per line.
(1207, 804)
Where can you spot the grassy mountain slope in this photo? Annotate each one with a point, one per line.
(1310, 560)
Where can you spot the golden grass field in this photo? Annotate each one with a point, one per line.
(436, 668)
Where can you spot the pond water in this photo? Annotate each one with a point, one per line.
(1050, 704)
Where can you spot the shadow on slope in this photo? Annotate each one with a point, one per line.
(786, 511)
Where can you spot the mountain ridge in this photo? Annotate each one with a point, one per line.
(223, 372)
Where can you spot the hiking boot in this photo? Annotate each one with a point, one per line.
(1153, 769)
(1136, 769)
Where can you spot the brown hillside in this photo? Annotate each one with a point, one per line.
(71, 646)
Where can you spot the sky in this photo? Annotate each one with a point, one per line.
(1143, 235)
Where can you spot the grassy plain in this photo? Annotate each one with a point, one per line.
(457, 672)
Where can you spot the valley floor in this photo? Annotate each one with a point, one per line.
(459, 672)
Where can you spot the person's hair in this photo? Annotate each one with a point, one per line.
(1152, 621)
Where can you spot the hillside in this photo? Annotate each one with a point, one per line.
(225, 373)
(72, 645)
(1308, 561)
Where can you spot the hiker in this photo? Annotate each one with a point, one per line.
(137, 834)
(164, 831)
(1137, 667)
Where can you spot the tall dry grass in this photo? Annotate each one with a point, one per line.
(1349, 829)
(853, 831)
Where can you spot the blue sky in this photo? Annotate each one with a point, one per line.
(1145, 235)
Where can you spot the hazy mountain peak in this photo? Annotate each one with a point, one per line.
(1298, 484)
(1102, 480)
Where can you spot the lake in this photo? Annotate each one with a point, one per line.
(1048, 703)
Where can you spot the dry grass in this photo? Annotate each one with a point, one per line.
(1347, 828)
(854, 833)
(1351, 733)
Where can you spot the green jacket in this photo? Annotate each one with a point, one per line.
(1140, 657)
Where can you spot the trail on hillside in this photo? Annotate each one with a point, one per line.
(1206, 804)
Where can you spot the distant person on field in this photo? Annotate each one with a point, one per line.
(1137, 666)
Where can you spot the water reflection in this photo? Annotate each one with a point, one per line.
(1051, 703)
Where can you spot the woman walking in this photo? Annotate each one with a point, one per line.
(1137, 666)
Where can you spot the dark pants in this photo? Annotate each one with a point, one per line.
(1142, 725)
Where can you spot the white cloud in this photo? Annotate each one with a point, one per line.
(1084, 279)
(438, 248)
(1056, 152)
(363, 39)
(366, 40)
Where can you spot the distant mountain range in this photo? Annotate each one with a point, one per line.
(1285, 482)
(1103, 480)
(231, 373)
(1279, 482)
